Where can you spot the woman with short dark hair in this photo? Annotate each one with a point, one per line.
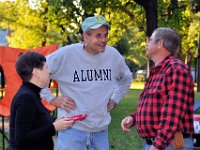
(31, 126)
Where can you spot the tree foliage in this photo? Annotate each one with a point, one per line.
(43, 22)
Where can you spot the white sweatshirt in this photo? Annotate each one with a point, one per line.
(91, 81)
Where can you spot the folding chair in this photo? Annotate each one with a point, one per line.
(2, 82)
(8, 56)
(2, 109)
(53, 86)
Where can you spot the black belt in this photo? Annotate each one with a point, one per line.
(185, 135)
(149, 140)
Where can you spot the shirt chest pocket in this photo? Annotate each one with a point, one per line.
(153, 93)
(151, 102)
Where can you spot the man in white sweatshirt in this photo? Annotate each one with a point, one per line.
(92, 77)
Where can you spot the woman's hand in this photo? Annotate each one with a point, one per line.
(63, 123)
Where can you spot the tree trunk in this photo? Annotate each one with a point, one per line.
(173, 5)
(188, 58)
(150, 7)
(44, 28)
(198, 66)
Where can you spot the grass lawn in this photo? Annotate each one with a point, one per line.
(120, 140)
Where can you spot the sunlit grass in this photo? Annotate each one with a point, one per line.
(137, 85)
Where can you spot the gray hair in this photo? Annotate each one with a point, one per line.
(171, 39)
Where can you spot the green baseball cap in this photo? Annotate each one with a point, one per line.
(94, 23)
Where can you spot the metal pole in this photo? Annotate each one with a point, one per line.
(198, 66)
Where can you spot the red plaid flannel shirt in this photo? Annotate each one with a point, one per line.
(166, 103)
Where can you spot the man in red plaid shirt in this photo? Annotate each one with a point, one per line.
(166, 104)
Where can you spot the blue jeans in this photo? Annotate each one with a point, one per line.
(74, 139)
(188, 145)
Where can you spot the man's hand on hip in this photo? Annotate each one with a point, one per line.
(111, 105)
(65, 103)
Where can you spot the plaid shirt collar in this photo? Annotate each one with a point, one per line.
(165, 61)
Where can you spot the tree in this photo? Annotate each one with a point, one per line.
(39, 24)
(46, 22)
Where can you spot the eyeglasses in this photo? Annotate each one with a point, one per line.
(149, 40)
